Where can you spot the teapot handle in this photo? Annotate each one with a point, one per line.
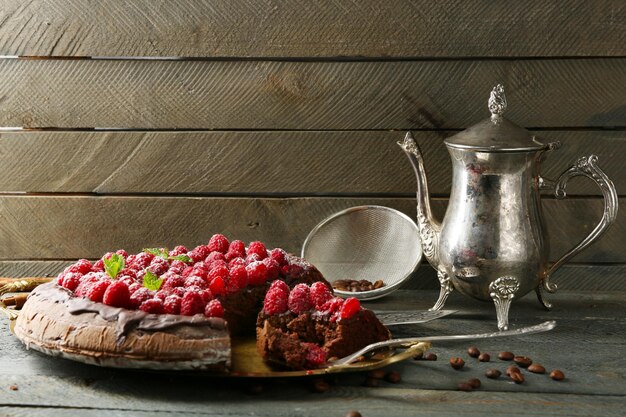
(585, 166)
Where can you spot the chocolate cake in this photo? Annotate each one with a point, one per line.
(165, 309)
(305, 327)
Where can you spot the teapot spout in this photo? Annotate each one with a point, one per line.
(429, 227)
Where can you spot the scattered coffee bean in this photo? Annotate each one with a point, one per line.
(493, 373)
(353, 285)
(474, 382)
(506, 356)
(484, 357)
(371, 382)
(394, 377)
(377, 373)
(523, 361)
(557, 375)
(13, 387)
(517, 377)
(512, 369)
(473, 351)
(465, 386)
(537, 369)
(457, 363)
(353, 413)
(321, 386)
(430, 357)
(418, 356)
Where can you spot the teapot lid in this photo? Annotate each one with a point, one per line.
(496, 134)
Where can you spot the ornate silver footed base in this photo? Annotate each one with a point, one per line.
(541, 297)
(444, 291)
(502, 291)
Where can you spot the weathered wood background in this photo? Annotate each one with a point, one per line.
(151, 123)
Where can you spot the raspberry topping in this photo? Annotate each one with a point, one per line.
(279, 256)
(153, 305)
(96, 291)
(238, 278)
(257, 248)
(82, 266)
(315, 355)
(214, 309)
(178, 250)
(139, 296)
(122, 252)
(257, 273)
(299, 299)
(191, 304)
(71, 280)
(218, 243)
(237, 247)
(217, 286)
(171, 305)
(195, 281)
(320, 294)
(117, 295)
(273, 269)
(350, 307)
(276, 300)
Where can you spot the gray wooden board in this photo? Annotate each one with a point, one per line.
(579, 277)
(587, 344)
(308, 95)
(334, 162)
(50, 226)
(276, 28)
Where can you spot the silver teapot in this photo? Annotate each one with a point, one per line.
(492, 244)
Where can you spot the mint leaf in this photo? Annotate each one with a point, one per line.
(162, 252)
(182, 258)
(151, 281)
(113, 265)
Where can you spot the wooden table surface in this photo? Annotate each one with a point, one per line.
(587, 345)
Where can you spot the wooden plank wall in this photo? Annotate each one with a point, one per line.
(154, 123)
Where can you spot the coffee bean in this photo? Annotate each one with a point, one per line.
(371, 382)
(465, 386)
(537, 369)
(517, 377)
(353, 413)
(457, 363)
(352, 285)
(394, 377)
(474, 382)
(377, 373)
(430, 357)
(506, 356)
(512, 369)
(379, 284)
(473, 351)
(13, 387)
(321, 386)
(523, 361)
(484, 357)
(492, 373)
(557, 375)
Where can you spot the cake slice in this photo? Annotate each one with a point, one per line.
(305, 327)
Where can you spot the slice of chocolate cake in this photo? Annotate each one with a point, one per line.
(303, 327)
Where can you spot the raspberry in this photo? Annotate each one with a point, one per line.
(217, 286)
(236, 261)
(258, 248)
(134, 287)
(273, 269)
(83, 266)
(200, 270)
(195, 281)
(214, 256)
(218, 271)
(199, 253)
(179, 291)
(257, 273)
(98, 266)
(86, 282)
(117, 295)
(191, 304)
(218, 243)
(59, 279)
(282, 285)
(127, 280)
(350, 307)
(158, 266)
(128, 272)
(96, 291)
(153, 305)
(178, 250)
(293, 270)
(71, 280)
(139, 296)
(315, 355)
(320, 294)
(177, 266)
(232, 255)
(171, 305)
(238, 247)
(214, 309)
(107, 255)
(173, 281)
(276, 301)
(143, 259)
(299, 299)
(187, 271)
(122, 252)
(333, 305)
(238, 278)
(253, 257)
(162, 294)
(279, 256)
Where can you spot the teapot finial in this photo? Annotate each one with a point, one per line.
(497, 103)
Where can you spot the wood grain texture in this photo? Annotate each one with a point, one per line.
(295, 162)
(586, 344)
(68, 227)
(308, 95)
(295, 28)
(570, 277)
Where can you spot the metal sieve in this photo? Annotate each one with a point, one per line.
(365, 242)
